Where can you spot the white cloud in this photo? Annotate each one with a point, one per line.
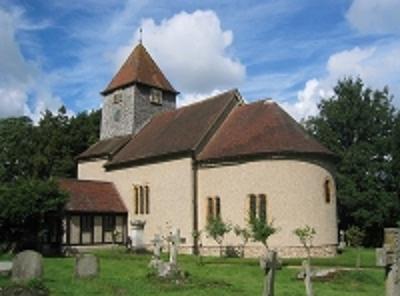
(21, 80)
(192, 50)
(375, 16)
(377, 66)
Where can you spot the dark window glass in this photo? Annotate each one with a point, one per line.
(147, 197)
(217, 207)
(262, 214)
(141, 203)
(109, 223)
(327, 186)
(210, 208)
(252, 206)
(86, 224)
(136, 193)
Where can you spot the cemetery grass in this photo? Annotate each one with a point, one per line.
(125, 274)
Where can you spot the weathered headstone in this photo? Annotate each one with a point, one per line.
(27, 265)
(269, 264)
(137, 235)
(86, 265)
(5, 268)
(175, 241)
(391, 258)
(342, 242)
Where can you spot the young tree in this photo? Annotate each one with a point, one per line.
(216, 228)
(354, 237)
(306, 235)
(244, 235)
(261, 230)
(356, 124)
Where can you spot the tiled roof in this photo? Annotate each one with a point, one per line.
(139, 68)
(181, 130)
(92, 196)
(105, 148)
(260, 128)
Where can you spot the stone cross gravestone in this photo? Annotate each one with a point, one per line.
(86, 265)
(175, 240)
(27, 265)
(269, 264)
(157, 246)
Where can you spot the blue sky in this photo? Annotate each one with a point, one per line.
(65, 52)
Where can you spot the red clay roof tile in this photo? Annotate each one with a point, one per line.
(92, 196)
(259, 128)
(139, 68)
(176, 131)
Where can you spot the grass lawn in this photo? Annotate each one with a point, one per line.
(125, 274)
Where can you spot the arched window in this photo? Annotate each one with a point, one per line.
(217, 207)
(147, 198)
(136, 197)
(328, 191)
(252, 206)
(210, 208)
(141, 199)
(262, 207)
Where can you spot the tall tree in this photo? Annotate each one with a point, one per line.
(16, 148)
(356, 123)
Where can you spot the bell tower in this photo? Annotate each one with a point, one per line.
(136, 93)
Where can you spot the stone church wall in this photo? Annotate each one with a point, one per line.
(171, 191)
(295, 197)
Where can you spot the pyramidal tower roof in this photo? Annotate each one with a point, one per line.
(139, 67)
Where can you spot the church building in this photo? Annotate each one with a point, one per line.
(174, 168)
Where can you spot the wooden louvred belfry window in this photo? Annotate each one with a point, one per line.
(141, 199)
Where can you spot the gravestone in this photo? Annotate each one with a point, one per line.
(389, 256)
(137, 235)
(269, 264)
(27, 265)
(86, 265)
(342, 242)
(5, 268)
(175, 240)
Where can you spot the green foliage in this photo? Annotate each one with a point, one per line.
(306, 235)
(47, 149)
(357, 124)
(261, 230)
(216, 228)
(25, 206)
(16, 148)
(243, 233)
(354, 236)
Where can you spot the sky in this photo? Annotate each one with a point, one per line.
(59, 52)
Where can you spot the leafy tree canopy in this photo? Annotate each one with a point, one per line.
(357, 124)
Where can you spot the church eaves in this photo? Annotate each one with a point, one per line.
(139, 67)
